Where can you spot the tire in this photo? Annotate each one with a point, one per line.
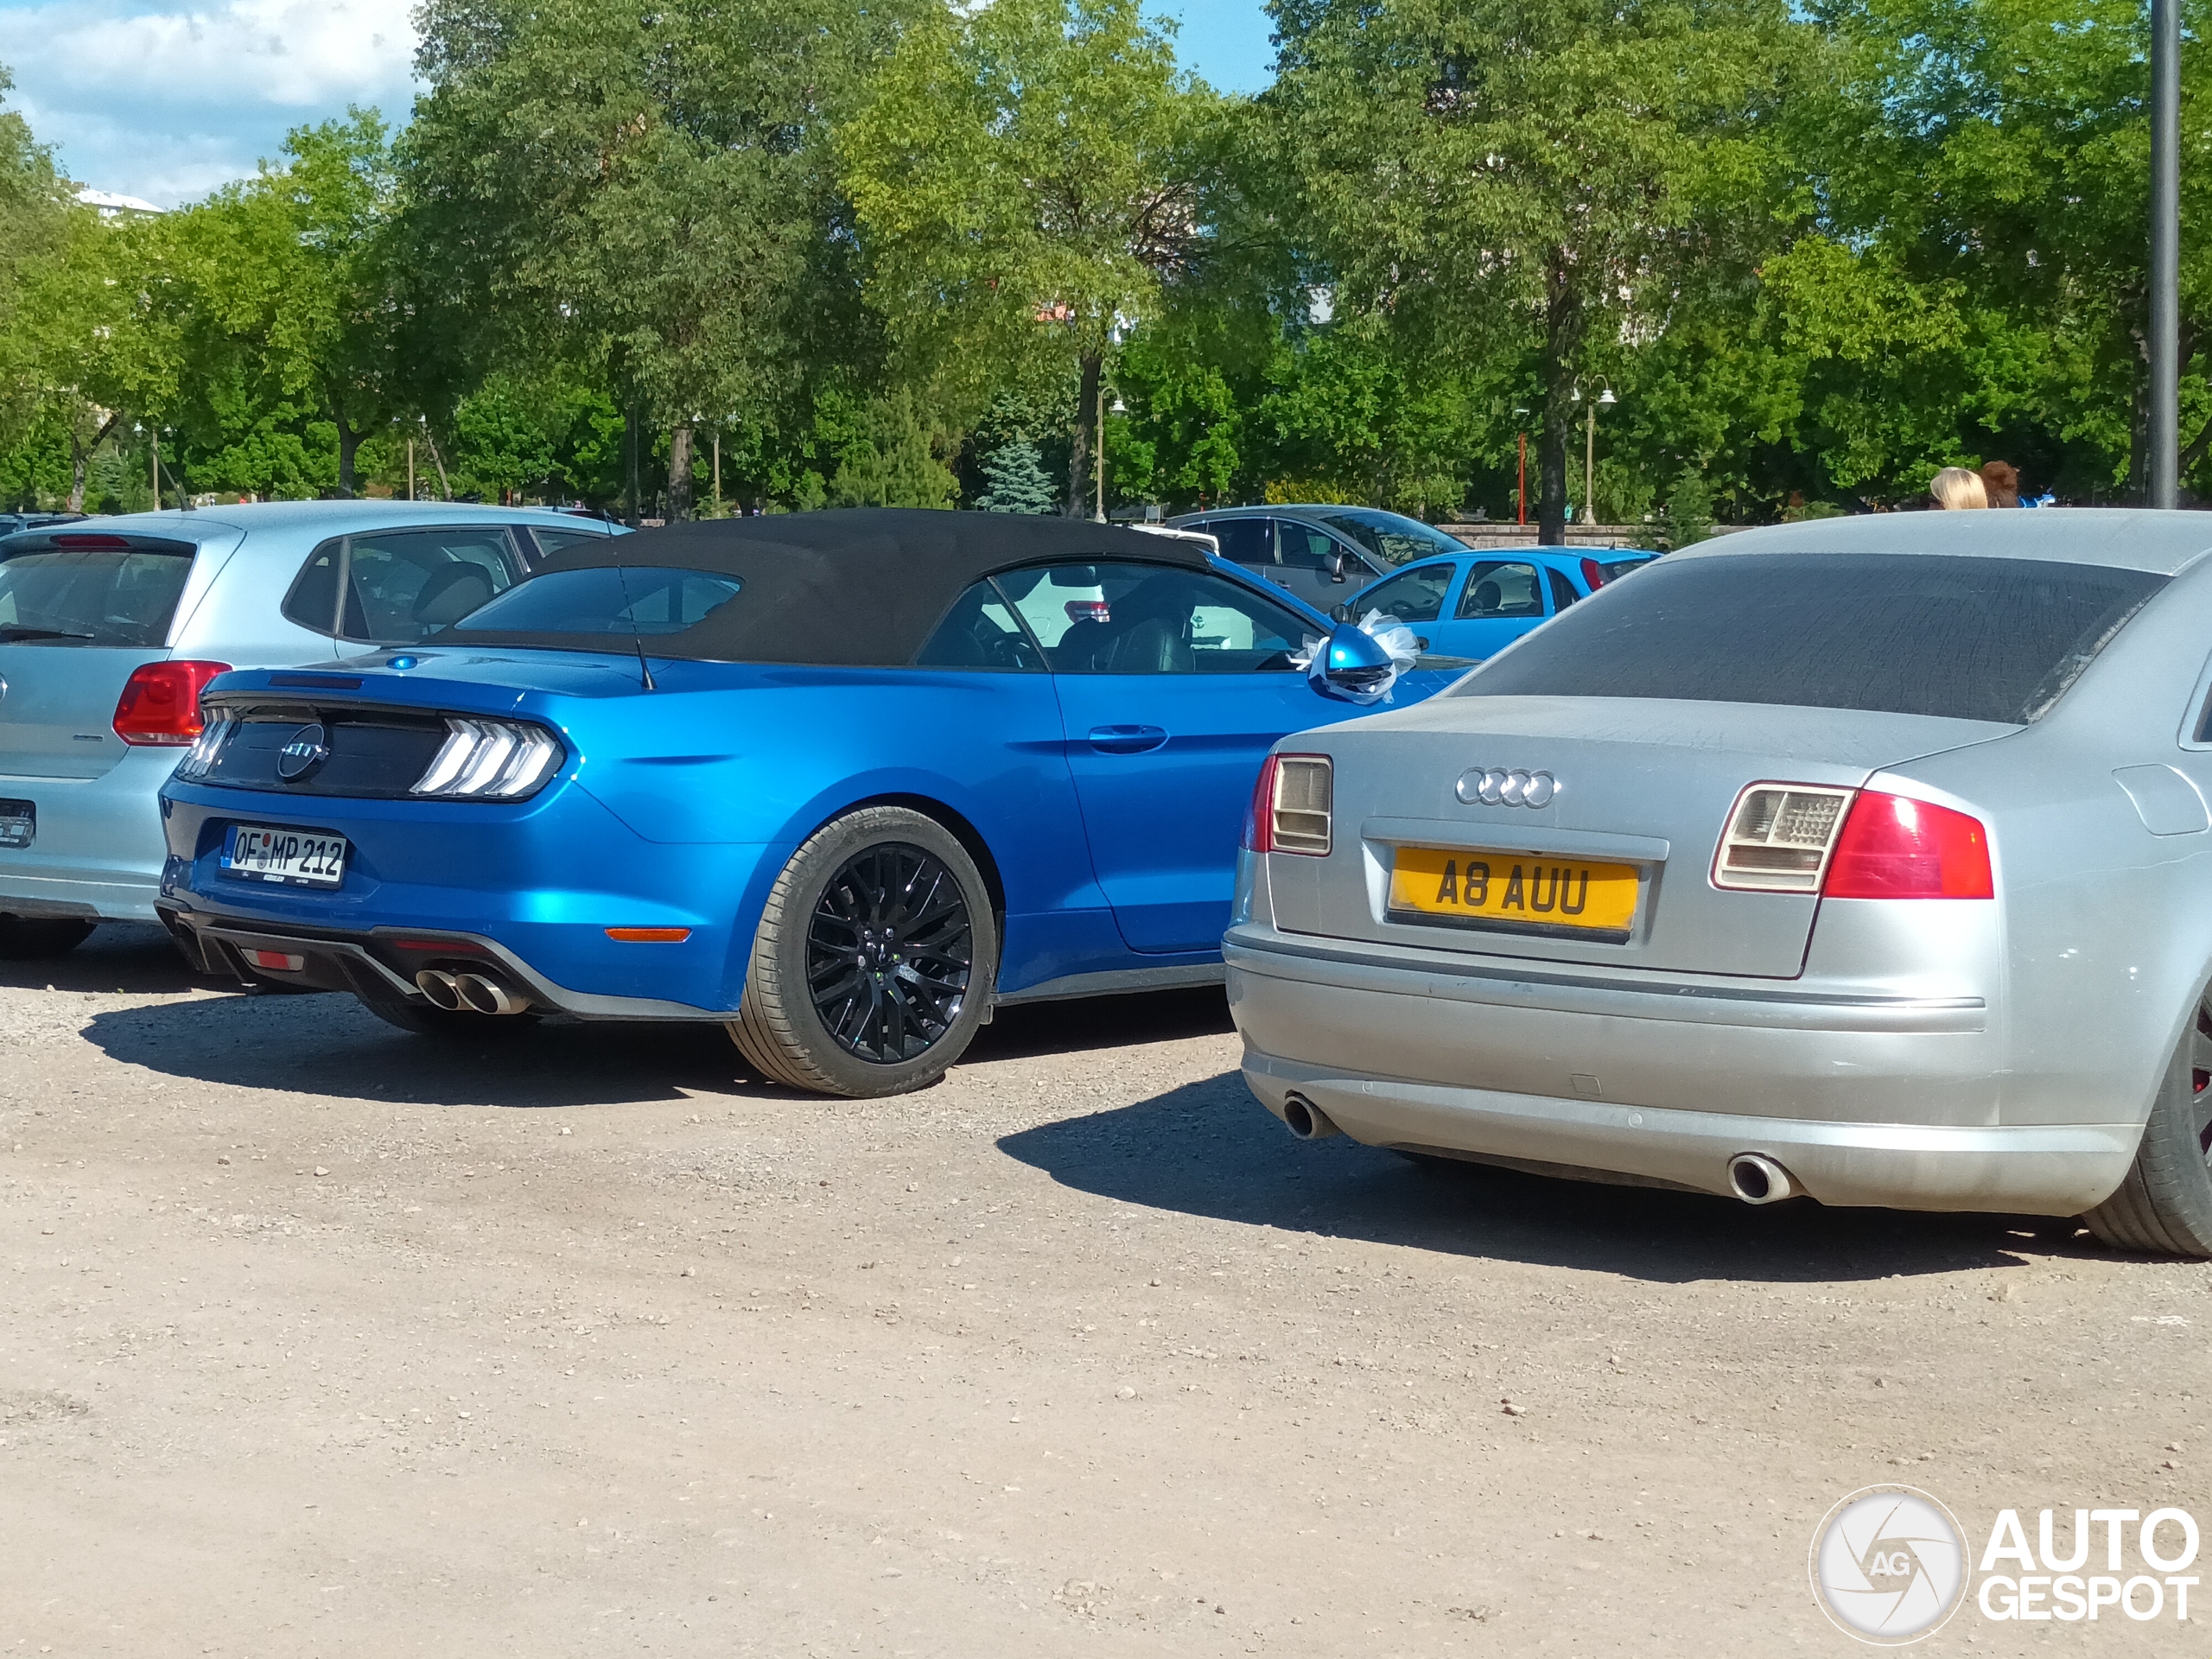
(815, 1017)
(41, 938)
(2164, 1206)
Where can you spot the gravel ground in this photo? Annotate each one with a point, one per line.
(319, 1339)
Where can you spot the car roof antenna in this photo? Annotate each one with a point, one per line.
(637, 635)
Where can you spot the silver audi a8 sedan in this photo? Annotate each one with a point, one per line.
(1867, 859)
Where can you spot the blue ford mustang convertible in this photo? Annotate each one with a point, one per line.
(842, 780)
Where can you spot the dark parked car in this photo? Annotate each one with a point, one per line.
(1324, 554)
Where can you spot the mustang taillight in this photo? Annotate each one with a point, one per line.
(1893, 847)
(490, 759)
(200, 759)
(1847, 843)
(160, 704)
(1293, 805)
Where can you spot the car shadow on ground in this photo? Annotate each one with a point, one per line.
(329, 1045)
(1208, 1148)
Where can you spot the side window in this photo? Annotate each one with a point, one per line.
(1495, 589)
(1306, 547)
(1147, 619)
(1245, 541)
(1414, 595)
(552, 541)
(1563, 594)
(981, 631)
(404, 586)
(312, 602)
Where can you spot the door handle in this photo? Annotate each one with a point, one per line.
(1127, 739)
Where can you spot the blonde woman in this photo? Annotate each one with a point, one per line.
(1955, 487)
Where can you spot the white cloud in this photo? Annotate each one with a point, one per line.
(168, 103)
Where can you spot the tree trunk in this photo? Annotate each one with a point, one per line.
(348, 441)
(630, 466)
(81, 457)
(679, 472)
(1562, 335)
(445, 484)
(1084, 437)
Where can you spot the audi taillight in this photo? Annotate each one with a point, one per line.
(1847, 843)
(1893, 847)
(1293, 806)
(160, 704)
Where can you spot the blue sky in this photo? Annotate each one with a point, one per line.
(167, 101)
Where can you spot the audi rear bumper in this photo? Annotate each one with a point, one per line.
(1893, 1101)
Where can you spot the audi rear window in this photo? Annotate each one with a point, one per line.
(90, 590)
(1964, 639)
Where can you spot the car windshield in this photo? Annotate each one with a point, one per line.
(633, 600)
(1967, 638)
(1392, 535)
(104, 591)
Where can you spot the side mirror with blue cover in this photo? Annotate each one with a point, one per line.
(1358, 665)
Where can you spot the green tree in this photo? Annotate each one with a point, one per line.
(891, 461)
(1018, 483)
(643, 193)
(1025, 176)
(1552, 184)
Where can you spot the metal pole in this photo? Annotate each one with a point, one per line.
(2164, 423)
(411, 469)
(1590, 464)
(1521, 493)
(1099, 469)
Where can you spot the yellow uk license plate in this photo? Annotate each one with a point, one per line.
(1519, 891)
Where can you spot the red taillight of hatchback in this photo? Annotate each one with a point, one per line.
(1847, 843)
(1293, 807)
(160, 704)
(1594, 575)
(1893, 847)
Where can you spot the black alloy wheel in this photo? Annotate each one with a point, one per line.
(874, 960)
(889, 953)
(2165, 1204)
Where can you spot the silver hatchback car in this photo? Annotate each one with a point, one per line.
(1868, 859)
(110, 628)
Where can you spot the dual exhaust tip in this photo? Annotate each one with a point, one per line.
(469, 992)
(1752, 1176)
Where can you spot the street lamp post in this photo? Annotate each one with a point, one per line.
(1520, 491)
(2165, 411)
(1590, 450)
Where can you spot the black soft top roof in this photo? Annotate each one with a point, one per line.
(858, 587)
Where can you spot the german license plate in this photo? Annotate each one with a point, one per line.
(293, 857)
(1519, 892)
(18, 823)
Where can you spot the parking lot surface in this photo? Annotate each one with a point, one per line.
(321, 1338)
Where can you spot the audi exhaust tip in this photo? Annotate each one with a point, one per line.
(1306, 1121)
(1757, 1178)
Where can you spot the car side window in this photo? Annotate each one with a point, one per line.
(1149, 619)
(981, 632)
(553, 540)
(1414, 595)
(1245, 541)
(403, 587)
(1501, 587)
(1306, 547)
(1563, 594)
(312, 602)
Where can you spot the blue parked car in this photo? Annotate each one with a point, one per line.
(1475, 604)
(842, 780)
